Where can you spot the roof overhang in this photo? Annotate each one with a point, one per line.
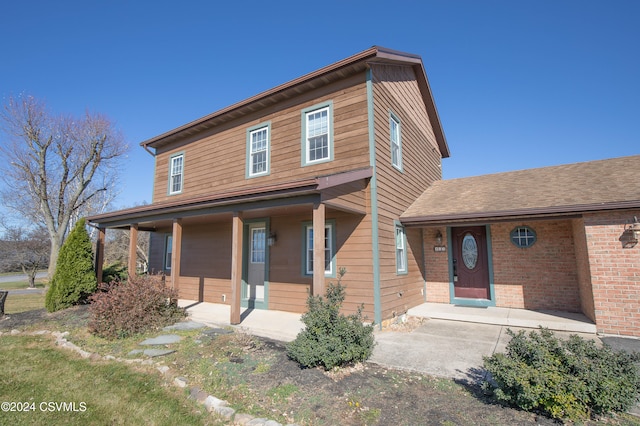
(329, 74)
(236, 199)
(541, 213)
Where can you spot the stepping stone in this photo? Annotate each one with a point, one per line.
(135, 352)
(165, 339)
(216, 331)
(185, 325)
(157, 352)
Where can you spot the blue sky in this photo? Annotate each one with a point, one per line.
(518, 84)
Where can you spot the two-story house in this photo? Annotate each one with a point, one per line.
(261, 203)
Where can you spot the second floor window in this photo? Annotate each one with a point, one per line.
(317, 134)
(258, 155)
(396, 144)
(176, 170)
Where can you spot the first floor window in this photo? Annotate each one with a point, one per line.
(168, 250)
(523, 236)
(176, 168)
(328, 249)
(401, 250)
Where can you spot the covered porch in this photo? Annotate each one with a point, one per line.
(207, 246)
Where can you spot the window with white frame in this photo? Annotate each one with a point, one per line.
(176, 170)
(168, 250)
(396, 142)
(328, 249)
(258, 144)
(317, 135)
(401, 250)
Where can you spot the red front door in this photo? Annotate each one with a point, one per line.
(470, 263)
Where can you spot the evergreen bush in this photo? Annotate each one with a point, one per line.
(331, 339)
(114, 272)
(571, 379)
(137, 305)
(74, 279)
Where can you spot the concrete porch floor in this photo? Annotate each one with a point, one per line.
(285, 326)
(510, 317)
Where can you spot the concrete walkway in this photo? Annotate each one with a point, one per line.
(451, 342)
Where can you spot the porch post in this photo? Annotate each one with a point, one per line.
(236, 267)
(100, 253)
(318, 248)
(176, 243)
(133, 252)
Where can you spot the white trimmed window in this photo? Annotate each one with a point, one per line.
(176, 171)
(258, 158)
(401, 250)
(396, 142)
(317, 135)
(328, 250)
(168, 250)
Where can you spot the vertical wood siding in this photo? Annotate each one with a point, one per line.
(395, 89)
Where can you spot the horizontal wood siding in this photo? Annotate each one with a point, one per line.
(351, 196)
(289, 287)
(216, 161)
(395, 90)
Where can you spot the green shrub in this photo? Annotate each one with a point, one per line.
(331, 339)
(140, 304)
(566, 379)
(74, 279)
(114, 272)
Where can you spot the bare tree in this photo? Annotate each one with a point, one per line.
(26, 250)
(56, 165)
(117, 248)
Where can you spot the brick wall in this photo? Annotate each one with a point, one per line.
(436, 267)
(615, 273)
(583, 269)
(539, 277)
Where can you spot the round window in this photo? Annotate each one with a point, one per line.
(523, 237)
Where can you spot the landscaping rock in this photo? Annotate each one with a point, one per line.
(165, 339)
(180, 382)
(163, 369)
(242, 419)
(211, 402)
(198, 394)
(212, 332)
(226, 412)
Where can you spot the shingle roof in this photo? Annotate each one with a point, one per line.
(565, 189)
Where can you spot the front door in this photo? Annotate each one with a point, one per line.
(470, 262)
(256, 257)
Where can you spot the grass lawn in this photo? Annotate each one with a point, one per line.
(19, 285)
(36, 373)
(23, 302)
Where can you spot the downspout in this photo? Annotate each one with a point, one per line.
(375, 243)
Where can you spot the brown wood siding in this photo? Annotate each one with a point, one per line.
(396, 90)
(351, 196)
(216, 161)
(289, 288)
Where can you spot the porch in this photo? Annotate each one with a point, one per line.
(285, 326)
(510, 317)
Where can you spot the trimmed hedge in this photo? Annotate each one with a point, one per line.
(571, 379)
(140, 304)
(331, 339)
